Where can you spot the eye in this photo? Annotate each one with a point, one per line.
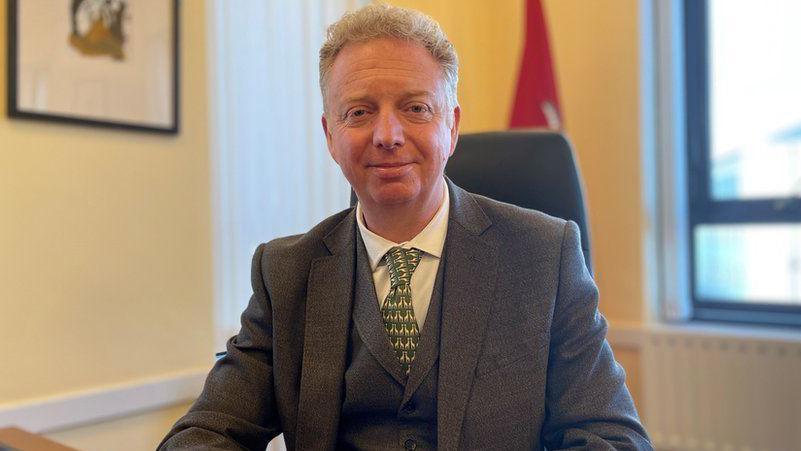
(418, 108)
(356, 113)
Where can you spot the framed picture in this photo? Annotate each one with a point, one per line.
(110, 63)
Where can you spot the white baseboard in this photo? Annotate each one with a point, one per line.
(72, 409)
(636, 335)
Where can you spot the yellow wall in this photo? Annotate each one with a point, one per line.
(596, 47)
(105, 244)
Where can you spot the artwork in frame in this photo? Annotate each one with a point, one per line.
(111, 63)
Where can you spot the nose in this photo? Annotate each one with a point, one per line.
(388, 131)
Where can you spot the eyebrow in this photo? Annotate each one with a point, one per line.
(408, 95)
(419, 94)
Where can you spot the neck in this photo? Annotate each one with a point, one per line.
(400, 223)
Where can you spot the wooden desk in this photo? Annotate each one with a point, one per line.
(15, 439)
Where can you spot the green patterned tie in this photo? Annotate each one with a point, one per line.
(397, 310)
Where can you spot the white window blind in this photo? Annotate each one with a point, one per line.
(272, 175)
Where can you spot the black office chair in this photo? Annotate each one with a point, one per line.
(531, 169)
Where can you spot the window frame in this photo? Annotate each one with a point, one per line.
(702, 208)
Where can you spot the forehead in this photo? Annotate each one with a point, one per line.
(382, 64)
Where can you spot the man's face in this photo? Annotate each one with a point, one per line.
(387, 123)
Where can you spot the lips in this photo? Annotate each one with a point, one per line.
(390, 169)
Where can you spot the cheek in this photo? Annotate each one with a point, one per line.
(348, 149)
(444, 144)
(341, 144)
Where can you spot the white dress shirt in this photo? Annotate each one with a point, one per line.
(430, 240)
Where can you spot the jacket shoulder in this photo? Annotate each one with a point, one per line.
(520, 222)
(297, 251)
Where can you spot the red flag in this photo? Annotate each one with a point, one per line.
(536, 101)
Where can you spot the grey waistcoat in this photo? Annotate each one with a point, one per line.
(381, 408)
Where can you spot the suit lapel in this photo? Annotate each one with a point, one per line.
(327, 324)
(469, 286)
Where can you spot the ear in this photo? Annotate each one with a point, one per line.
(328, 137)
(457, 114)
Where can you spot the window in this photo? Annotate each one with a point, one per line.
(743, 125)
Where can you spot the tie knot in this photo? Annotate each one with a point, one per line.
(401, 263)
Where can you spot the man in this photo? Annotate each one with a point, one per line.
(426, 317)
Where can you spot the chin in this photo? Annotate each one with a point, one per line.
(393, 194)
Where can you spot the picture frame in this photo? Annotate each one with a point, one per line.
(104, 63)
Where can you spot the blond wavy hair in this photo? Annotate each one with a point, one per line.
(376, 21)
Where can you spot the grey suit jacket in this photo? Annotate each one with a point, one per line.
(524, 363)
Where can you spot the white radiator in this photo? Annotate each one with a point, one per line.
(715, 391)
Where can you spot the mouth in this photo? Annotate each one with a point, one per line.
(390, 169)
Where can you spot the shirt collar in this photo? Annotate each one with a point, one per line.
(430, 240)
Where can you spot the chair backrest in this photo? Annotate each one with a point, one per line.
(530, 169)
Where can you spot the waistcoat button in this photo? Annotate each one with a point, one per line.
(410, 444)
